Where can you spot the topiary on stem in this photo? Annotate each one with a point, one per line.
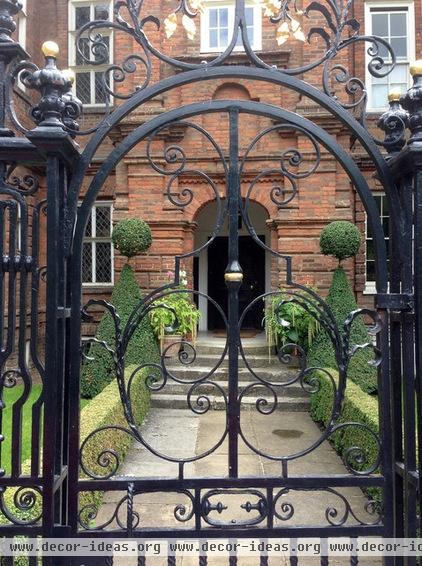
(131, 237)
(341, 239)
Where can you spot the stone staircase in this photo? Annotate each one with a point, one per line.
(174, 395)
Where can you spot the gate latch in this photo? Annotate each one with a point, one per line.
(395, 301)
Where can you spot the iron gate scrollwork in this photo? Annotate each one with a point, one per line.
(259, 506)
(46, 498)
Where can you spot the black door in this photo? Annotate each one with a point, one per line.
(252, 260)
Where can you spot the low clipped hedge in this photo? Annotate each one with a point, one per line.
(105, 409)
(358, 407)
(321, 354)
(99, 370)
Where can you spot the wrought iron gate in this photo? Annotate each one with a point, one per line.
(45, 499)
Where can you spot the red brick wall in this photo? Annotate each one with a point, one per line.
(138, 190)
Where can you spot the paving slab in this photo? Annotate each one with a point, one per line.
(181, 434)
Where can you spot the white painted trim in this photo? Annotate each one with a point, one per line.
(381, 4)
(203, 287)
(370, 286)
(257, 45)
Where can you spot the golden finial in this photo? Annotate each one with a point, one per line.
(416, 68)
(394, 95)
(50, 49)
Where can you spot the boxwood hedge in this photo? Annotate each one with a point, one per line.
(98, 371)
(106, 409)
(358, 407)
(321, 353)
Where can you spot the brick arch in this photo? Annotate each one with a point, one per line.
(231, 91)
(203, 204)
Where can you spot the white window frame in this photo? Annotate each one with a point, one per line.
(22, 33)
(370, 286)
(22, 19)
(91, 69)
(257, 7)
(374, 5)
(93, 240)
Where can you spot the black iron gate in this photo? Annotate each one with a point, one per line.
(56, 495)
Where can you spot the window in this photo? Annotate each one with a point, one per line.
(89, 86)
(217, 23)
(394, 23)
(382, 205)
(97, 256)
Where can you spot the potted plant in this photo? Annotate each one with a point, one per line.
(287, 322)
(174, 318)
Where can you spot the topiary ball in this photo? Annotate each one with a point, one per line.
(131, 236)
(341, 239)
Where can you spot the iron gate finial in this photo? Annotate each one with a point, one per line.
(412, 102)
(8, 9)
(394, 123)
(58, 106)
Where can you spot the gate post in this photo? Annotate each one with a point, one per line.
(61, 154)
(406, 341)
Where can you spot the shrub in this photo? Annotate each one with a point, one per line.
(321, 353)
(105, 409)
(341, 239)
(358, 407)
(287, 321)
(142, 348)
(131, 236)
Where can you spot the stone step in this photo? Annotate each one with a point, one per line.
(286, 404)
(280, 373)
(205, 348)
(174, 388)
(210, 360)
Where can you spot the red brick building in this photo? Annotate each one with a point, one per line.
(136, 188)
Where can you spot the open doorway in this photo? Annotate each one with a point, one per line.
(212, 263)
(252, 260)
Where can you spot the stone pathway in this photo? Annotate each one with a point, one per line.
(181, 434)
(173, 430)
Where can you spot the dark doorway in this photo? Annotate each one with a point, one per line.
(252, 261)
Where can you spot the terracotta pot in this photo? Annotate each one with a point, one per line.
(167, 345)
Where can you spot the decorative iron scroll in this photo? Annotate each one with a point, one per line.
(327, 26)
(23, 506)
(240, 508)
(339, 31)
(172, 163)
